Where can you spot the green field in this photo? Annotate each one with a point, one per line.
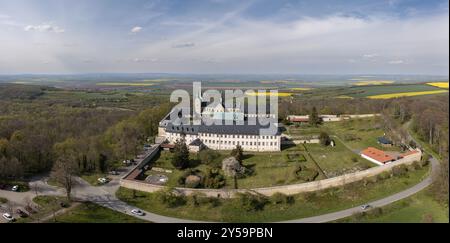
(337, 160)
(419, 208)
(93, 213)
(359, 92)
(305, 205)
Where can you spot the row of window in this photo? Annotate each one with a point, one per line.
(241, 143)
(238, 136)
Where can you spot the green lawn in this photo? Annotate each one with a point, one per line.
(337, 160)
(93, 213)
(306, 205)
(418, 208)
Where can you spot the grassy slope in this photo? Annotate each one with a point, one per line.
(417, 208)
(305, 205)
(93, 213)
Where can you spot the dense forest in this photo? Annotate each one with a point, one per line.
(34, 133)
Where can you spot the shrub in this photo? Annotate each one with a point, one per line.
(279, 198)
(214, 179)
(324, 139)
(170, 198)
(376, 212)
(399, 170)
(416, 165)
(309, 196)
(384, 175)
(252, 202)
(180, 158)
(354, 159)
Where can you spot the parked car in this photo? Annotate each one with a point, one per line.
(21, 213)
(114, 172)
(15, 188)
(137, 212)
(30, 209)
(102, 180)
(365, 206)
(8, 217)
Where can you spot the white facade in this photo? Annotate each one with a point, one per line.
(259, 143)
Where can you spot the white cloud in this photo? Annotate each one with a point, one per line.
(145, 59)
(396, 62)
(370, 55)
(46, 27)
(136, 29)
(184, 45)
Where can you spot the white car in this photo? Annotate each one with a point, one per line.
(15, 188)
(8, 217)
(102, 180)
(365, 207)
(137, 212)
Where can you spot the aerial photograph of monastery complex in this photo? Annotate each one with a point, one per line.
(192, 112)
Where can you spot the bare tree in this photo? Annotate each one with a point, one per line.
(63, 172)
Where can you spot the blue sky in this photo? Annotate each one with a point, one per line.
(225, 36)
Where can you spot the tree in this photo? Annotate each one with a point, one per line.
(324, 139)
(180, 158)
(238, 153)
(314, 118)
(63, 172)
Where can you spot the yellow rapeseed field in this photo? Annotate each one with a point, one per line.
(443, 85)
(405, 94)
(373, 82)
(301, 89)
(280, 94)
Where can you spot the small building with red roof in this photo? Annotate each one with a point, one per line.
(377, 156)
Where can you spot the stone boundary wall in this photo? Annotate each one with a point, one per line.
(286, 189)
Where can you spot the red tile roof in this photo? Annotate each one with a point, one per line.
(409, 153)
(377, 155)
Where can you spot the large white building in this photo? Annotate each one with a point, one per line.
(222, 137)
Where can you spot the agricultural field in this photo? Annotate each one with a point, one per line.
(406, 94)
(373, 82)
(443, 85)
(367, 91)
(279, 94)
